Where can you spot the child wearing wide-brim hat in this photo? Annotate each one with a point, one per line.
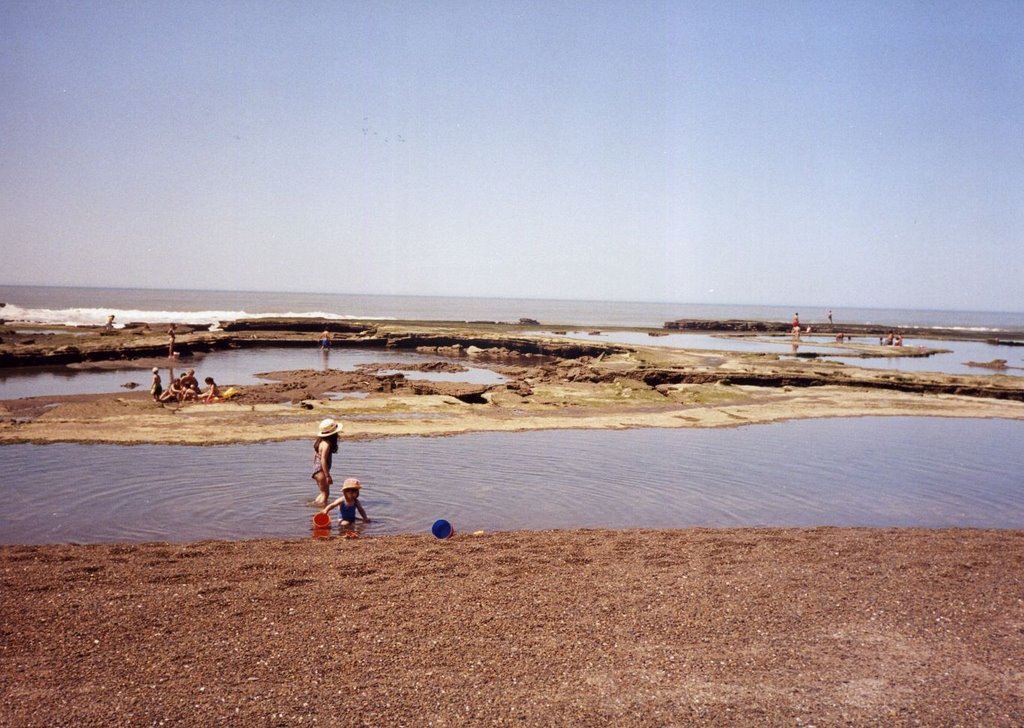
(349, 503)
(324, 447)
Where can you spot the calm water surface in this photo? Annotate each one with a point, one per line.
(234, 366)
(925, 472)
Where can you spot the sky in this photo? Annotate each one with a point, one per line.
(832, 153)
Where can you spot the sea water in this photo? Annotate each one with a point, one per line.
(91, 306)
(896, 471)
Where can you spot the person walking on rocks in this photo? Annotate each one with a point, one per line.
(324, 448)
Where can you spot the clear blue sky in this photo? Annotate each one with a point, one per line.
(832, 153)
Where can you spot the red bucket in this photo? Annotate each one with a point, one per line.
(321, 520)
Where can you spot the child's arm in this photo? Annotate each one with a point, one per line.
(335, 504)
(362, 513)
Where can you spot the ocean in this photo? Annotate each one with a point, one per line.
(91, 306)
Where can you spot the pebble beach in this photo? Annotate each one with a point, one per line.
(591, 627)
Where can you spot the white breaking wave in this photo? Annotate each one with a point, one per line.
(13, 313)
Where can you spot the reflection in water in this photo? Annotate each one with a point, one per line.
(926, 472)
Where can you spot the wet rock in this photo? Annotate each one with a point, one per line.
(995, 364)
(519, 387)
(389, 382)
(469, 393)
(291, 324)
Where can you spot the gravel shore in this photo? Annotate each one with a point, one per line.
(593, 627)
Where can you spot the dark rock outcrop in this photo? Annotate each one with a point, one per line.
(291, 324)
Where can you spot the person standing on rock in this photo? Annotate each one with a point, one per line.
(170, 342)
(324, 448)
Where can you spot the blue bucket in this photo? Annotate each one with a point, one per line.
(442, 529)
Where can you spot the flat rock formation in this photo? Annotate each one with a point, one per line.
(743, 326)
(546, 383)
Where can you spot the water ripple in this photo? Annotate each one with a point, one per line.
(847, 472)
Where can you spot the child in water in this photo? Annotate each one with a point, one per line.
(349, 503)
(324, 448)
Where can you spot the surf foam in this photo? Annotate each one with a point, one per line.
(98, 316)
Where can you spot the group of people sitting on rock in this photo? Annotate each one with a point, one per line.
(890, 339)
(185, 388)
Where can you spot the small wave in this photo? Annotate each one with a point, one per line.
(98, 316)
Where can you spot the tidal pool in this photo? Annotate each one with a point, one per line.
(899, 471)
(232, 366)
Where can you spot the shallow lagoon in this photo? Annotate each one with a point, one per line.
(926, 472)
(229, 367)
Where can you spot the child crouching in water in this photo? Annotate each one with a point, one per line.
(349, 503)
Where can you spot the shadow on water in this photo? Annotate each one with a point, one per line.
(924, 472)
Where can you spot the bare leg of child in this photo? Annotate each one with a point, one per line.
(325, 489)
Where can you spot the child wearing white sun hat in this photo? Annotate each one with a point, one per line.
(324, 447)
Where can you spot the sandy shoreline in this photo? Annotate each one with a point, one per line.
(711, 627)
